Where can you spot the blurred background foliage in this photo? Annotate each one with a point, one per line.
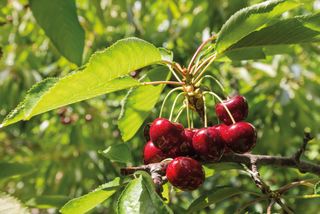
(59, 150)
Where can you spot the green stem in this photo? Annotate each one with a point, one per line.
(204, 63)
(205, 112)
(182, 108)
(188, 112)
(214, 79)
(224, 105)
(166, 97)
(162, 82)
(199, 49)
(192, 118)
(174, 104)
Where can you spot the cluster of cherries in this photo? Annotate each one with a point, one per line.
(188, 146)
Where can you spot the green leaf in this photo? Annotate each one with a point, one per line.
(87, 202)
(317, 188)
(139, 196)
(257, 45)
(224, 166)
(59, 20)
(48, 201)
(250, 19)
(135, 105)
(102, 74)
(118, 153)
(8, 170)
(9, 204)
(213, 197)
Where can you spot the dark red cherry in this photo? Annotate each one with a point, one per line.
(151, 154)
(220, 127)
(164, 134)
(185, 173)
(239, 137)
(208, 144)
(237, 106)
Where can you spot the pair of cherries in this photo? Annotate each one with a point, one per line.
(171, 140)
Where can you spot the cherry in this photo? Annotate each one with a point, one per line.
(237, 106)
(239, 137)
(164, 134)
(185, 173)
(219, 128)
(208, 144)
(151, 154)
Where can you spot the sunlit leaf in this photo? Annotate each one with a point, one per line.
(140, 197)
(87, 202)
(103, 74)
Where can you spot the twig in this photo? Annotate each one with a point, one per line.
(269, 208)
(307, 137)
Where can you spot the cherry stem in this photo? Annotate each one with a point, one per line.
(174, 104)
(205, 112)
(214, 79)
(192, 120)
(199, 49)
(163, 82)
(207, 62)
(224, 105)
(188, 112)
(166, 97)
(182, 108)
(174, 67)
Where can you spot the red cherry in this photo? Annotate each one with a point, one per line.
(237, 106)
(208, 144)
(185, 173)
(151, 154)
(219, 128)
(164, 134)
(240, 137)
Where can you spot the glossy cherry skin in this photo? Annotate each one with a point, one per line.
(220, 127)
(185, 173)
(208, 144)
(152, 154)
(240, 137)
(237, 106)
(164, 134)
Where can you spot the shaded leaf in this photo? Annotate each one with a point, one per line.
(14, 169)
(213, 197)
(9, 204)
(139, 102)
(102, 74)
(87, 202)
(48, 201)
(317, 188)
(59, 20)
(250, 19)
(118, 153)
